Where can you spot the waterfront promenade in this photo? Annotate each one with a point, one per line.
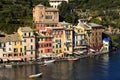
(56, 59)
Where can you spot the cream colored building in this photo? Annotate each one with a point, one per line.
(27, 35)
(67, 37)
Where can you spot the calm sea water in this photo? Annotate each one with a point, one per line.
(105, 67)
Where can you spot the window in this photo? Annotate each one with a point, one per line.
(20, 49)
(56, 51)
(4, 55)
(9, 55)
(15, 54)
(48, 17)
(9, 49)
(60, 46)
(41, 39)
(31, 40)
(56, 46)
(24, 34)
(25, 53)
(15, 50)
(29, 34)
(20, 42)
(0, 44)
(9, 43)
(15, 43)
(24, 47)
(24, 40)
(41, 51)
(4, 45)
(48, 50)
(67, 48)
(31, 47)
(60, 51)
(31, 52)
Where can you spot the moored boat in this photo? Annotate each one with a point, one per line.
(8, 66)
(49, 61)
(36, 75)
(72, 59)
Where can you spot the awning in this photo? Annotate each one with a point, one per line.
(15, 59)
(47, 55)
(5, 60)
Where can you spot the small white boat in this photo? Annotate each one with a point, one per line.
(36, 75)
(8, 66)
(49, 61)
(0, 66)
(72, 59)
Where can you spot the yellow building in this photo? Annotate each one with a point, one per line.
(67, 37)
(17, 47)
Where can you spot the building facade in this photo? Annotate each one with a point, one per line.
(44, 45)
(28, 37)
(67, 37)
(11, 48)
(44, 15)
(80, 42)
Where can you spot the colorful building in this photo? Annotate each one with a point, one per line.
(106, 45)
(44, 45)
(95, 36)
(58, 41)
(11, 48)
(29, 48)
(67, 37)
(80, 42)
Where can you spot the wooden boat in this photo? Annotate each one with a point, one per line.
(49, 61)
(35, 75)
(8, 66)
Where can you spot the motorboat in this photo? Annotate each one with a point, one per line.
(36, 75)
(49, 61)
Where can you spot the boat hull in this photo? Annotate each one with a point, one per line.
(35, 75)
(49, 61)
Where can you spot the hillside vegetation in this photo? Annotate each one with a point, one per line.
(16, 13)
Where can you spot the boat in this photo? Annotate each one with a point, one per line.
(43, 65)
(8, 66)
(0, 66)
(36, 75)
(49, 61)
(72, 59)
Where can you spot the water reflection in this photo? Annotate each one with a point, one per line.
(98, 68)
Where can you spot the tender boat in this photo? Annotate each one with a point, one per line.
(49, 61)
(8, 66)
(72, 59)
(36, 75)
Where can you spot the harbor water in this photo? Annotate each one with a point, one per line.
(104, 67)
